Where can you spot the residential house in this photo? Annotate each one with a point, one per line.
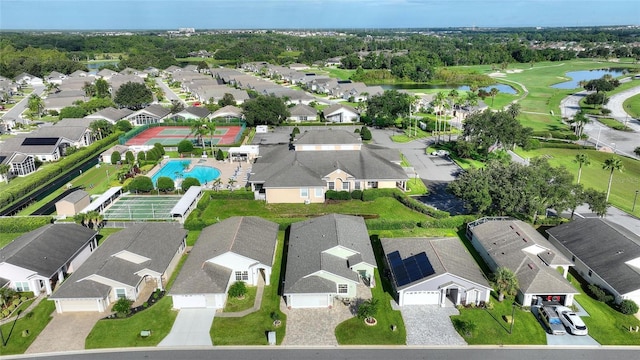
(191, 113)
(60, 100)
(604, 253)
(517, 246)
(105, 157)
(112, 115)
(228, 112)
(41, 259)
(43, 149)
(302, 112)
(106, 74)
(28, 79)
(339, 113)
(240, 248)
(323, 160)
(151, 114)
(328, 257)
(437, 271)
(55, 77)
(79, 74)
(20, 164)
(298, 66)
(139, 256)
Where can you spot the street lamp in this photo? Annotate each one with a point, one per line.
(513, 312)
(633, 208)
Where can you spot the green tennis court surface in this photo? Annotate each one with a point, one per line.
(175, 141)
(142, 208)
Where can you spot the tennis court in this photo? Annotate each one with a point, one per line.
(135, 207)
(172, 135)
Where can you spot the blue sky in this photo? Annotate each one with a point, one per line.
(252, 14)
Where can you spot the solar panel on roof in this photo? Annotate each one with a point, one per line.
(40, 141)
(410, 269)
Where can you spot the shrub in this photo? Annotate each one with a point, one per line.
(238, 289)
(145, 304)
(372, 194)
(122, 307)
(159, 147)
(115, 157)
(464, 327)
(140, 183)
(23, 224)
(337, 195)
(142, 156)
(5, 312)
(164, 184)
(368, 309)
(129, 158)
(628, 307)
(189, 182)
(416, 205)
(185, 146)
(219, 155)
(387, 224)
(599, 293)
(356, 194)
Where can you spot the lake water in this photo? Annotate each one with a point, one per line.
(585, 75)
(175, 169)
(505, 89)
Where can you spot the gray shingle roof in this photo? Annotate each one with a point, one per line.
(506, 241)
(280, 167)
(604, 247)
(157, 241)
(303, 110)
(111, 114)
(46, 249)
(446, 255)
(326, 137)
(309, 240)
(248, 236)
(335, 108)
(199, 111)
(75, 196)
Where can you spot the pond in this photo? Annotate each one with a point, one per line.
(586, 75)
(505, 89)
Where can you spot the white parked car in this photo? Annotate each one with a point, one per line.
(572, 321)
(440, 153)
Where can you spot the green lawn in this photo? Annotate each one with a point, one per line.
(6, 238)
(235, 304)
(624, 185)
(251, 329)
(614, 124)
(115, 333)
(34, 322)
(104, 233)
(492, 329)
(606, 325)
(632, 106)
(192, 237)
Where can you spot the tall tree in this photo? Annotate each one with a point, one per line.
(101, 128)
(582, 160)
(493, 92)
(4, 172)
(265, 110)
(612, 164)
(102, 88)
(134, 96)
(227, 99)
(387, 107)
(199, 130)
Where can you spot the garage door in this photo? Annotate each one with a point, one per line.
(79, 305)
(309, 301)
(189, 301)
(421, 298)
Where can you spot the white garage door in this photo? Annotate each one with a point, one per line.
(309, 301)
(421, 298)
(79, 305)
(189, 301)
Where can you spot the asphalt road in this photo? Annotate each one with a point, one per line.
(16, 111)
(379, 353)
(617, 110)
(168, 93)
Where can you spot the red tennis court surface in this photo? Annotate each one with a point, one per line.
(172, 135)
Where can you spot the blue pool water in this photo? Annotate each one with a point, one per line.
(176, 169)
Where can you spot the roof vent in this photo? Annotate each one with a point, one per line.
(523, 239)
(531, 266)
(619, 252)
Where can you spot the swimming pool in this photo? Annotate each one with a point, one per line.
(175, 169)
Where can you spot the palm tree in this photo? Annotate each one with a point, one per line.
(4, 171)
(35, 104)
(506, 282)
(231, 182)
(612, 164)
(493, 92)
(217, 183)
(581, 159)
(211, 130)
(199, 129)
(580, 120)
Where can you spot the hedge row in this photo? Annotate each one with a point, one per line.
(23, 224)
(387, 224)
(452, 222)
(372, 194)
(41, 178)
(235, 195)
(416, 205)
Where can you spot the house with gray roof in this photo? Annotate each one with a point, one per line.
(191, 113)
(122, 266)
(151, 114)
(604, 253)
(20, 164)
(228, 112)
(240, 248)
(517, 246)
(110, 114)
(322, 160)
(42, 148)
(302, 112)
(437, 271)
(327, 258)
(41, 259)
(339, 113)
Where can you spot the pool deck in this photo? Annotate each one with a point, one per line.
(227, 170)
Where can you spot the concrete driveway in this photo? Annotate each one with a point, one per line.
(430, 325)
(191, 328)
(65, 332)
